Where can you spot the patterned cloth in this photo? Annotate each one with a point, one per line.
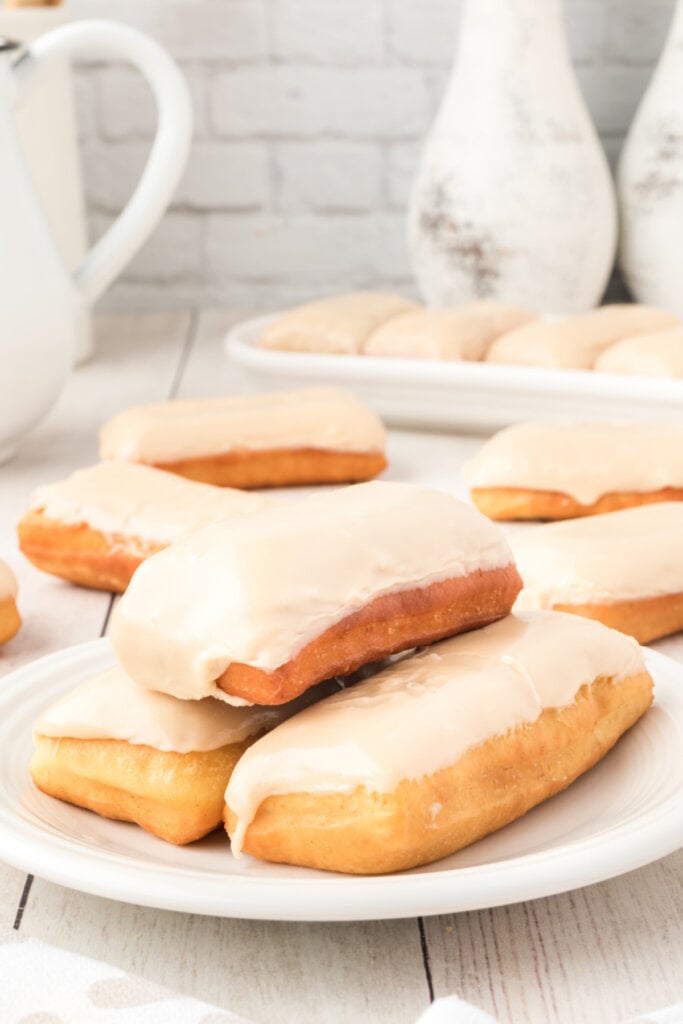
(45, 985)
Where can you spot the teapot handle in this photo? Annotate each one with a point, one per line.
(166, 162)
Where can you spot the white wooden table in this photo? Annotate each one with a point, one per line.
(595, 955)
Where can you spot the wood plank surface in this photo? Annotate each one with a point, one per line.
(594, 955)
(266, 971)
(599, 954)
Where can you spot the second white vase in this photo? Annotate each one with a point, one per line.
(651, 184)
(514, 199)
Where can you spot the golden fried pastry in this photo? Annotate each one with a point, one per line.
(463, 332)
(659, 354)
(10, 620)
(577, 342)
(624, 569)
(262, 608)
(98, 525)
(337, 325)
(128, 753)
(565, 470)
(439, 749)
(312, 436)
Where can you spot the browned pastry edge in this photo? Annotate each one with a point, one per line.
(283, 467)
(391, 623)
(645, 618)
(31, 3)
(177, 797)
(10, 620)
(80, 554)
(488, 787)
(524, 503)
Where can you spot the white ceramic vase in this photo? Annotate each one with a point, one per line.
(513, 200)
(650, 184)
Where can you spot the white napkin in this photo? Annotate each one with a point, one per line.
(452, 1010)
(669, 1015)
(45, 985)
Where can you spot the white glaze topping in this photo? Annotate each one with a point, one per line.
(423, 713)
(112, 707)
(584, 460)
(635, 553)
(576, 343)
(257, 590)
(649, 355)
(340, 324)
(8, 583)
(126, 499)
(463, 332)
(321, 418)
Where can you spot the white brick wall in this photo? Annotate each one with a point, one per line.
(309, 121)
(328, 176)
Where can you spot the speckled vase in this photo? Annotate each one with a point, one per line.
(514, 199)
(650, 184)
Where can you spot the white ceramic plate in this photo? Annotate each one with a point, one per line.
(624, 813)
(473, 396)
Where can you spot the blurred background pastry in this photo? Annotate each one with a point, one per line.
(647, 355)
(338, 325)
(463, 332)
(577, 342)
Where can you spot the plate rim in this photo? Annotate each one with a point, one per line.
(571, 865)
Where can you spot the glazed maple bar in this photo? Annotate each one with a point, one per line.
(337, 325)
(130, 754)
(659, 354)
(311, 436)
(262, 608)
(624, 569)
(577, 342)
(96, 527)
(565, 470)
(459, 333)
(439, 749)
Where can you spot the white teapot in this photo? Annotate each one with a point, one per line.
(43, 306)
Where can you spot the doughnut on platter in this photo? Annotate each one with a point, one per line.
(463, 395)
